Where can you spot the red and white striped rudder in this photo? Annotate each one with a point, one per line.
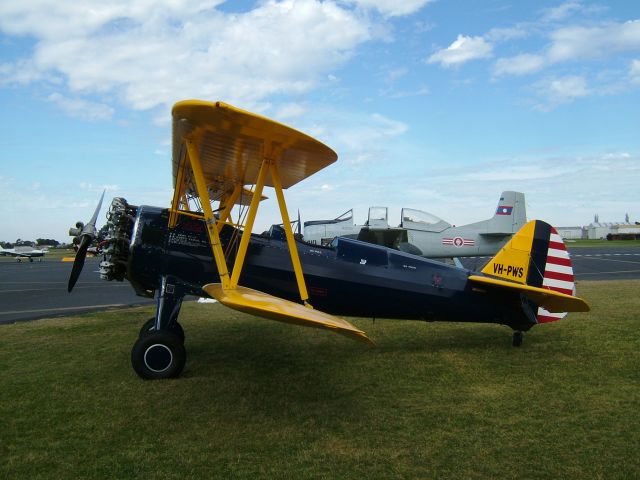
(558, 275)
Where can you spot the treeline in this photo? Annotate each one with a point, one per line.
(41, 242)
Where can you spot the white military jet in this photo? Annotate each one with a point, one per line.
(422, 233)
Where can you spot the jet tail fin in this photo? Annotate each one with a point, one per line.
(510, 215)
(536, 262)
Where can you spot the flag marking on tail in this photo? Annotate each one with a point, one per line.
(504, 210)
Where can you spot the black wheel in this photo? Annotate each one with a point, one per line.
(175, 328)
(157, 355)
(517, 338)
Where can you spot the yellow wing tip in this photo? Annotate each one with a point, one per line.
(274, 308)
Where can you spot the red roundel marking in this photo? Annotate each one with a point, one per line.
(458, 242)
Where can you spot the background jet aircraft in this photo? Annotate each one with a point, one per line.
(22, 252)
(422, 233)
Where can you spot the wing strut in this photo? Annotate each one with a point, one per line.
(209, 218)
(291, 242)
(219, 149)
(191, 159)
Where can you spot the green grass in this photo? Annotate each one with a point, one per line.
(260, 399)
(602, 243)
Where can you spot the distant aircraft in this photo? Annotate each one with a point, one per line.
(422, 233)
(22, 252)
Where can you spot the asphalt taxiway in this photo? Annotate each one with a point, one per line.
(29, 291)
(32, 290)
(592, 263)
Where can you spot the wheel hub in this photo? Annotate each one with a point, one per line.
(158, 358)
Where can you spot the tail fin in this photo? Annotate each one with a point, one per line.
(510, 216)
(537, 258)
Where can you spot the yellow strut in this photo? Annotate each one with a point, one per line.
(210, 219)
(291, 242)
(178, 194)
(251, 216)
(226, 204)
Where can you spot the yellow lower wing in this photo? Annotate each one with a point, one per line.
(274, 308)
(543, 297)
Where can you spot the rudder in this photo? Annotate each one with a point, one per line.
(510, 214)
(536, 256)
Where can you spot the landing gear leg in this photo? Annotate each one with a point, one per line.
(517, 338)
(159, 351)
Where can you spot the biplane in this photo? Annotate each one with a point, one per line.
(203, 245)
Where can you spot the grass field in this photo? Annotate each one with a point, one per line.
(260, 399)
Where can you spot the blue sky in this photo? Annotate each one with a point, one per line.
(434, 105)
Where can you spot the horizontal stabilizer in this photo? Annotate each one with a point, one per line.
(274, 308)
(550, 300)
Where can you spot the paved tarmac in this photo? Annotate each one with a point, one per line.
(592, 263)
(29, 291)
(32, 290)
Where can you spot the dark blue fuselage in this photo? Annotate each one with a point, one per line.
(350, 278)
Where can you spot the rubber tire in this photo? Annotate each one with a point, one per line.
(175, 328)
(158, 355)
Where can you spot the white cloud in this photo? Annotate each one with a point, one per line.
(634, 71)
(573, 43)
(393, 8)
(289, 111)
(462, 50)
(152, 53)
(558, 90)
(80, 108)
(367, 134)
(504, 34)
(561, 12)
(544, 182)
(98, 188)
(519, 65)
(418, 92)
(51, 19)
(467, 193)
(359, 138)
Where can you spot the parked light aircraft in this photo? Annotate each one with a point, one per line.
(197, 247)
(422, 233)
(22, 252)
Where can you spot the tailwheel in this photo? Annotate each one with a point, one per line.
(518, 336)
(175, 328)
(157, 355)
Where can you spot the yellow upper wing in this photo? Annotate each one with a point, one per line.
(233, 143)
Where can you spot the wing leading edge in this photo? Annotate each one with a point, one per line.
(233, 143)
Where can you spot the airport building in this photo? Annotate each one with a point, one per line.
(601, 231)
